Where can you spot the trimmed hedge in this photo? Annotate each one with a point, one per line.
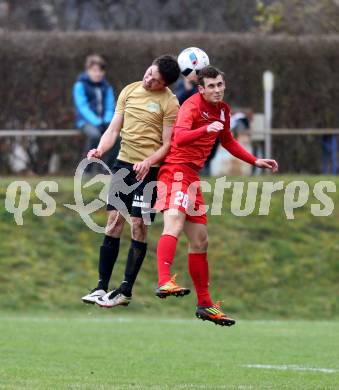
(37, 72)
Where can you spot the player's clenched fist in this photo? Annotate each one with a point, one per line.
(94, 153)
(215, 126)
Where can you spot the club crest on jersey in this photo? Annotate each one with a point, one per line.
(153, 107)
(222, 115)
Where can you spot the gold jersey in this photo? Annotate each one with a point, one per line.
(145, 114)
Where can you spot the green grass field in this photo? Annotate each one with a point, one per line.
(105, 349)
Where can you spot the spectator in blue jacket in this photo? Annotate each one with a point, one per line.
(94, 101)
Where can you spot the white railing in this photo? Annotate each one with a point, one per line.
(40, 133)
(74, 132)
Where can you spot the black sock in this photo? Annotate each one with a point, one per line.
(108, 255)
(136, 255)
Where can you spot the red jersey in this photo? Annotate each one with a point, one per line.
(192, 143)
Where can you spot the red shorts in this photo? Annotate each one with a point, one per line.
(178, 187)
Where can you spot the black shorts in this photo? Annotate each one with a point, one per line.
(126, 194)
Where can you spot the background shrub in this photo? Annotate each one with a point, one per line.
(38, 70)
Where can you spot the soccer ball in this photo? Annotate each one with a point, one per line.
(192, 59)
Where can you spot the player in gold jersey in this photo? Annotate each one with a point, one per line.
(144, 116)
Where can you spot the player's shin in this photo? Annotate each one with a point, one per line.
(166, 249)
(108, 255)
(198, 269)
(136, 256)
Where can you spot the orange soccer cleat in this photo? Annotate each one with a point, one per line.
(171, 288)
(214, 314)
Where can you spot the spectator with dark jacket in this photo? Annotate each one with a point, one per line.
(94, 101)
(184, 89)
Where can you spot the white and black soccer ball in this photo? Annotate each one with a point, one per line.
(191, 60)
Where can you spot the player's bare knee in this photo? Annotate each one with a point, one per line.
(115, 224)
(173, 226)
(199, 245)
(139, 229)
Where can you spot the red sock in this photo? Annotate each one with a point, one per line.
(167, 246)
(198, 268)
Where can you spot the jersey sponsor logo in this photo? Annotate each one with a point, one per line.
(205, 114)
(153, 107)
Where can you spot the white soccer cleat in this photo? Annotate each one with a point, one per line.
(113, 298)
(93, 295)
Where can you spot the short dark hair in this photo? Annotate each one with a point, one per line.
(168, 68)
(209, 72)
(95, 59)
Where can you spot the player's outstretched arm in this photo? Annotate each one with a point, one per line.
(143, 167)
(109, 137)
(231, 145)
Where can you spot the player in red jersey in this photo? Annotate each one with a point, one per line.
(201, 119)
